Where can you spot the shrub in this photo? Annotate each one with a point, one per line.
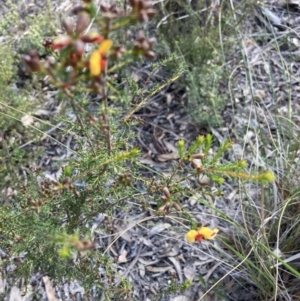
(62, 225)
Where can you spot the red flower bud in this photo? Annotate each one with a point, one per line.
(151, 13)
(149, 55)
(133, 3)
(104, 7)
(67, 25)
(92, 37)
(48, 43)
(61, 42)
(196, 163)
(50, 60)
(34, 54)
(151, 41)
(177, 207)
(143, 16)
(166, 192)
(83, 20)
(73, 58)
(76, 10)
(32, 61)
(148, 4)
(141, 36)
(199, 156)
(79, 48)
(118, 52)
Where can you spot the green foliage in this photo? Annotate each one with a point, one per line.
(194, 39)
(10, 20)
(199, 153)
(20, 34)
(25, 31)
(15, 103)
(7, 68)
(50, 219)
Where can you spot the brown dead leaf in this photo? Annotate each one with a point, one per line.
(167, 157)
(177, 268)
(148, 262)
(170, 116)
(181, 298)
(49, 289)
(158, 269)
(172, 155)
(159, 228)
(150, 162)
(124, 234)
(189, 272)
(169, 98)
(142, 270)
(172, 252)
(15, 294)
(123, 257)
(170, 147)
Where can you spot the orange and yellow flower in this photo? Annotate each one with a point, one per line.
(201, 233)
(98, 59)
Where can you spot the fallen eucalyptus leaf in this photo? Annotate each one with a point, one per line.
(15, 294)
(123, 257)
(158, 269)
(189, 272)
(159, 228)
(49, 289)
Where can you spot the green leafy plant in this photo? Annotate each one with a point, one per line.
(191, 31)
(47, 219)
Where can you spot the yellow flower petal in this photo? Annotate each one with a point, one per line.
(105, 46)
(207, 232)
(191, 235)
(95, 63)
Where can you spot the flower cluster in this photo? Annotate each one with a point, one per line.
(68, 61)
(168, 202)
(143, 46)
(201, 233)
(142, 9)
